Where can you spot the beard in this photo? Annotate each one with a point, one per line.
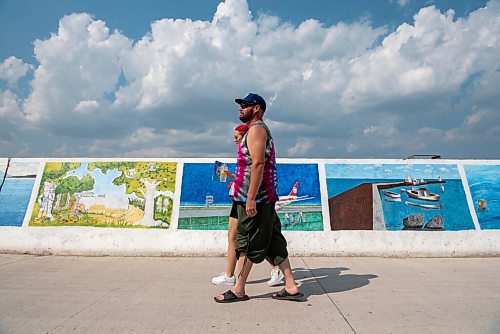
(246, 117)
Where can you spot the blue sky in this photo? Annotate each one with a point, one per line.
(344, 79)
(134, 17)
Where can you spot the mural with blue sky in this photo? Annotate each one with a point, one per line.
(106, 194)
(484, 185)
(198, 182)
(205, 201)
(452, 204)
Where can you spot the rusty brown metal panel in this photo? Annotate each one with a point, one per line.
(353, 209)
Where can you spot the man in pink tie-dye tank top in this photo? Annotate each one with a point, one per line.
(268, 190)
(259, 234)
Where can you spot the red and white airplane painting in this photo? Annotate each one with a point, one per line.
(291, 197)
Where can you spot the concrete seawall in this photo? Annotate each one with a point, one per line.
(99, 242)
(177, 207)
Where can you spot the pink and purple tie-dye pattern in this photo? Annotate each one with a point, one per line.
(268, 189)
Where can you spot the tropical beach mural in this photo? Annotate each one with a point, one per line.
(205, 202)
(105, 194)
(484, 185)
(16, 184)
(397, 197)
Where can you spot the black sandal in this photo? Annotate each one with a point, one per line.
(284, 295)
(230, 297)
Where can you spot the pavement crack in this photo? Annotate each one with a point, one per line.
(83, 309)
(328, 295)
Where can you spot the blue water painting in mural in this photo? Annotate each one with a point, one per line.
(14, 200)
(484, 185)
(452, 206)
(198, 183)
(452, 203)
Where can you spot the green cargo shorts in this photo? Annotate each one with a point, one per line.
(260, 237)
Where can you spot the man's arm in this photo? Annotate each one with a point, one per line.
(256, 142)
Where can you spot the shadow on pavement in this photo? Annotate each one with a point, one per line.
(322, 280)
(330, 280)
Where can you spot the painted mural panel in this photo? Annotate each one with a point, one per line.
(205, 202)
(484, 185)
(16, 184)
(397, 197)
(106, 194)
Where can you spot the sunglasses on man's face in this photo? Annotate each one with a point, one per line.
(246, 105)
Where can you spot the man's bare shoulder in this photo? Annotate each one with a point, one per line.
(257, 129)
(257, 135)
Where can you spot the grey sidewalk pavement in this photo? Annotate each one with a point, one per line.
(51, 294)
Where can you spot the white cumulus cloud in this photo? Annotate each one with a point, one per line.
(345, 90)
(12, 69)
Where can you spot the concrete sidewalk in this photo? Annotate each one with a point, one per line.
(50, 294)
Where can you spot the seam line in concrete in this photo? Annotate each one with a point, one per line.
(327, 294)
(83, 309)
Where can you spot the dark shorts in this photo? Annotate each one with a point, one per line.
(260, 237)
(234, 211)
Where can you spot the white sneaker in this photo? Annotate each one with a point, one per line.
(276, 277)
(222, 279)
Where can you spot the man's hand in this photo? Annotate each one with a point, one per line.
(251, 208)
